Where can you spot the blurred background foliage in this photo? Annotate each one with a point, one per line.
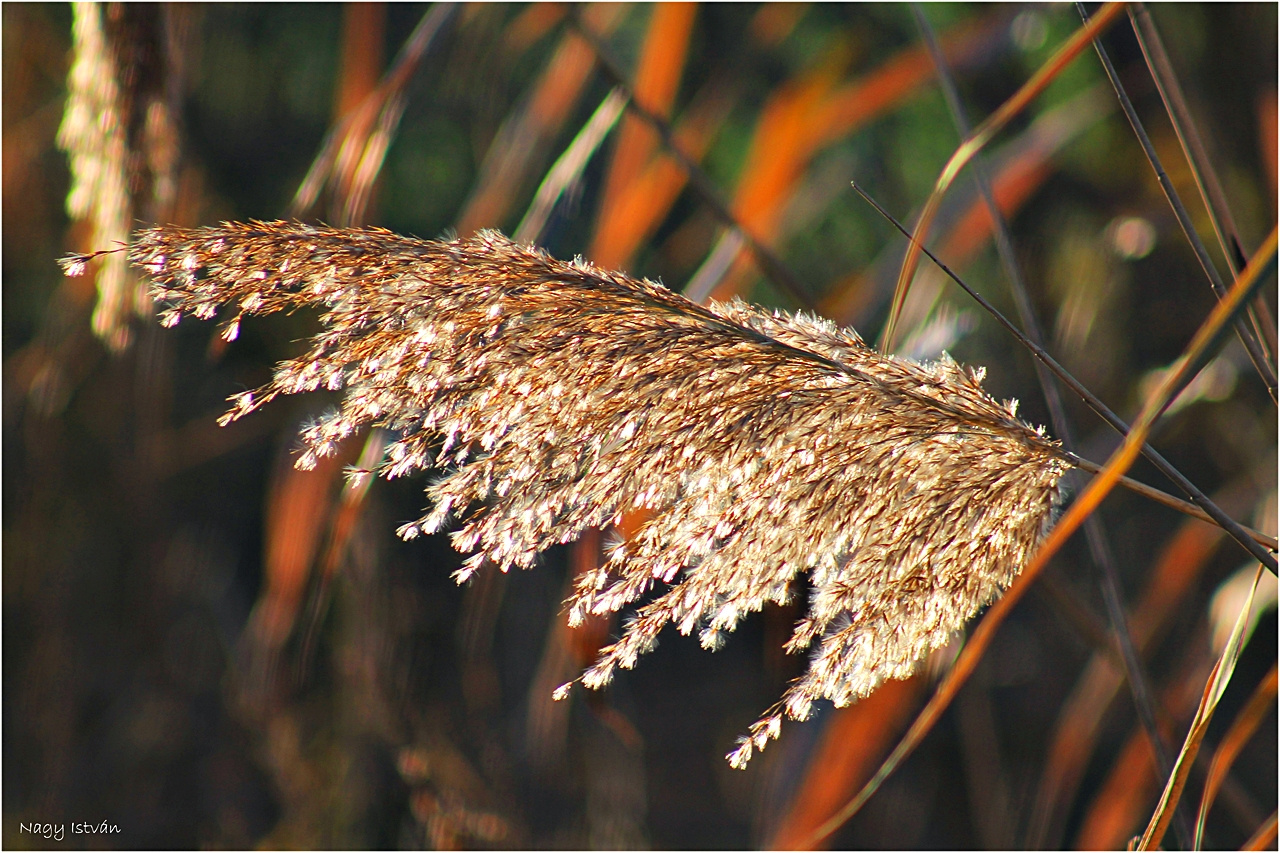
(211, 649)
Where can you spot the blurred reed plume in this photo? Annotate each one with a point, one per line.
(120, 132)
(763, 446)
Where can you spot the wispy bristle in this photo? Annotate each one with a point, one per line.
(763, 446)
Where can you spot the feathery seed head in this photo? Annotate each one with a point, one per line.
(763, 446)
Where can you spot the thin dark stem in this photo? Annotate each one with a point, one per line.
(1226, 522)
(1206, 177)
(1247, 337)
(1095, 534)
(1184, 507)
(699, 181)
(1161, 68)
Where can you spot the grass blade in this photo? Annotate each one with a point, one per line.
(1245, 724)
(978, 140)
(643, 203)
(1177, 568)
(702, 184)
(809, 112)
(1218, 680)
(1265, 837)
(352, 153)
(569, 167)
(528, 131)
(657, 80)
(854, 737)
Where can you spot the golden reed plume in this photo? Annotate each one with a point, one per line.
(557, 396)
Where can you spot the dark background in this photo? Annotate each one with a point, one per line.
(175, 665)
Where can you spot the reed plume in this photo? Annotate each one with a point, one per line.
(121, 136)
(767, 449)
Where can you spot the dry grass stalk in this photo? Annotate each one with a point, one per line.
(93, 135)
(765, 446)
